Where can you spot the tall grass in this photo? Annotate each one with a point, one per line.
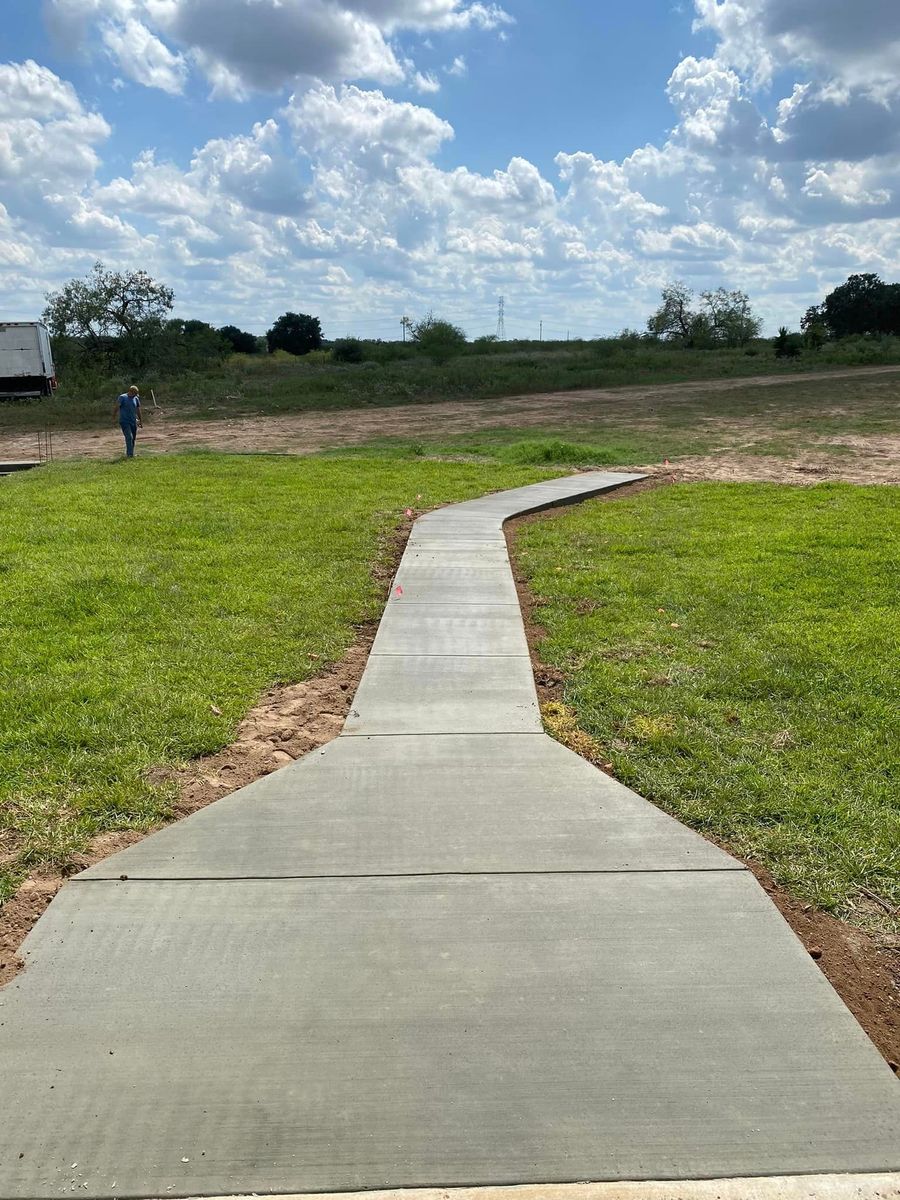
(396, 374)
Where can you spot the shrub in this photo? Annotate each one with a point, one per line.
(439, 339)
(787, 345)
(297, 333)
(347, 350)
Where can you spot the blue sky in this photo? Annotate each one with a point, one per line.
(364, 158)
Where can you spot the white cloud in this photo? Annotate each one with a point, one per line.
(264, 45)
(48, 140)
(32, 91)
(427, 84)
(858, 42)
(850, 184)
(716, 114)
(376, 134)
(141, 56)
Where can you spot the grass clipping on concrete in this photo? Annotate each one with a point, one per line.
(145, 605)
(731, 650)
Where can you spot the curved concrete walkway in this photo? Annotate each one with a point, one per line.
(440, 951)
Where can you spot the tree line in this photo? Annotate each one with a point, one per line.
(115, 320)
(864, 306)
(121, 320)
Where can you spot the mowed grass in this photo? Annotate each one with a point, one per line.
(137, 598)
(733, 651)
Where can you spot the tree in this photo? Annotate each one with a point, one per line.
(856, 307)
(127, 307)
(813, 327)
(724, 318)
(297, 333)
(437, 338)
(674, 320)
(189, 345)
(731, 320)
(240, 342)
(889, 318)
(787, 345)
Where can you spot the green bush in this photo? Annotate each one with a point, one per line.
(536, 452)
(439, 339)
(347, 350)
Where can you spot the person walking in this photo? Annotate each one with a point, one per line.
(128, 408)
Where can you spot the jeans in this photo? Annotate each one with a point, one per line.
(129, 428)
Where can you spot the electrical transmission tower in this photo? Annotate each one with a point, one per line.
(501, 320)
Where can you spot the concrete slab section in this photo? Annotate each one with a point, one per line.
(426, 694)
(422, 805)
(446, 629)
(431, 585)
(471, 557)
(472, 525)
(180, 1039)
(534, 497)
(457, 537)
(440, 541)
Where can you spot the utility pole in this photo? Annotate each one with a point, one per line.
(501, 319)
(542, 331)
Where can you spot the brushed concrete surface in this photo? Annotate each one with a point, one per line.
(305, 1035)
(426, 694)
(426, 805)
(451, 629)
(472, 557)
(432, 587)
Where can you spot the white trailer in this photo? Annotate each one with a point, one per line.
(26, 361)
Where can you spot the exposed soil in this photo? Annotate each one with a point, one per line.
(863, 968)
(865, 459)
(805, 469)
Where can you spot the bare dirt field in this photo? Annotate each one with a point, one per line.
(762, 428)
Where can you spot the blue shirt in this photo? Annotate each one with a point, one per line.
(128, 406)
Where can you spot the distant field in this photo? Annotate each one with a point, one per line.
(793, 428)
(144, 606)
(281, 385)
(732, 651)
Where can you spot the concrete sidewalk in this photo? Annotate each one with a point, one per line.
(442, 951)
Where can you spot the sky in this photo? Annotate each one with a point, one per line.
(362, 160)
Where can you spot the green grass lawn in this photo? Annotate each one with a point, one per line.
(137, 596)
(733, 651)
